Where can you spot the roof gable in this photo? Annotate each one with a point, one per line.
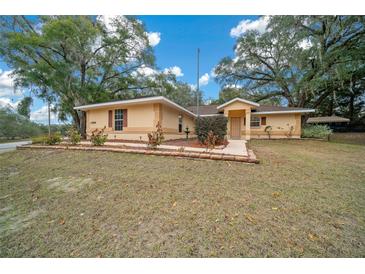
(238, 100)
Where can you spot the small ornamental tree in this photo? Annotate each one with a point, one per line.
(98, 137)
(211, 140)
(155, 138)
(216, 124)
(268, 130)
(74, 135)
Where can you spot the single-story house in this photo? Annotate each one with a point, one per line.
(133, 119)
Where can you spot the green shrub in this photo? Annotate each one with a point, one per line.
(316, 131)
(216, 124)
(39, 140)
(73, 135)
(155, 138)
(53, 139)
(98, 138)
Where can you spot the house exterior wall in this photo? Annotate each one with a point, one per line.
(170, 121)
(281, 126)
(281, 123)
(141, 119)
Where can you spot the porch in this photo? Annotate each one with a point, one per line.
(238, 126)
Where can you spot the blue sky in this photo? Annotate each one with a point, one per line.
(175, 39)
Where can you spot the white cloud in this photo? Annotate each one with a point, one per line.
(154, 38)
(41, 115)
(305, 44)
(174, 70)
(245, 25)
(212, 73)
(192, 86)
(111, 23)
(204, 80)
(145, 71)
(7, 84)
(7, 102)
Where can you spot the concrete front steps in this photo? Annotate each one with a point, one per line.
(251, 158)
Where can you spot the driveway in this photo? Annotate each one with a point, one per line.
(12, 146)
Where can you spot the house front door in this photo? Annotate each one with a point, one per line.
(235, 128)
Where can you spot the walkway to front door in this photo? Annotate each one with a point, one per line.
(235, 128)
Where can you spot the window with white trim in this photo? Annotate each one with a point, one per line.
(255, 121)
(180, 123)
(118, 119)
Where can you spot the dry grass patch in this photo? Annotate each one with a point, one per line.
(306, 199)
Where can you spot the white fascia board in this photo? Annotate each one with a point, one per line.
(156, 99)
(240, 100)
(284, 111)
(208, 115)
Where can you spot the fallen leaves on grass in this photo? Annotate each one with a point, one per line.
(275, 194)
(338, 225)
(250, 218)
(174, 204)
(62, 222)
(313, 237)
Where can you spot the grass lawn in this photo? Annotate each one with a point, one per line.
(305, 199)
(349, 137)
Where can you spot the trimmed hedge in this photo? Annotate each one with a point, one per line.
(217, 124)
(316, 131)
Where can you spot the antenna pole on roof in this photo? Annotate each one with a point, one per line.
(197, 85)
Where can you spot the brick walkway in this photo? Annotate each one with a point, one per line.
(234, 147)
(224, 154)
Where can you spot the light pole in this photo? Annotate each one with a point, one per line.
(197, 84)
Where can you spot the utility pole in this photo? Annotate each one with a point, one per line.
(49, 117)
(197, 85)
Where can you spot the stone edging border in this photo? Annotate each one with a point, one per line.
(250, 159)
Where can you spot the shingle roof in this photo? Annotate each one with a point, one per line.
(266, 108)
(327, 119)
(212, 109)
(204, 110)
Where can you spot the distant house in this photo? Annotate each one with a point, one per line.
(133, 119)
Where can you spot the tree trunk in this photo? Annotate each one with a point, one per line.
(82, 116)
(330, 107)
(79, 118)
(351, 107)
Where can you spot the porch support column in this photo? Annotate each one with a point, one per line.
(248, 124)
(228, 124)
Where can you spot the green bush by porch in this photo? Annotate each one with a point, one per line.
(217, 124)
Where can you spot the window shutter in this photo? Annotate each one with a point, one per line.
(244, 121)
(263, 121)
(110, 118)
(125, 117)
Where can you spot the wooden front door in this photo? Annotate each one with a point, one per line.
(235, 128)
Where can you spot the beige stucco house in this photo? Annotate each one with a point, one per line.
(133, 119)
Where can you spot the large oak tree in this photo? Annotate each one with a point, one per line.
(75, 60)
(302, 59)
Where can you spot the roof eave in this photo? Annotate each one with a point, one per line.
(156, 99)
(284, 111)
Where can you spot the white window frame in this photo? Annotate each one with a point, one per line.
(180, 122)
(256, 120)
(119, 119)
